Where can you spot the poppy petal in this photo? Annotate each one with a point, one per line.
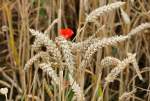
(66, 33)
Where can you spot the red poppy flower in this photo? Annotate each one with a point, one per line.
(66, 33)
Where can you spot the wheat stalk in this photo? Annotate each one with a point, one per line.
(126, 95)
(103, 10)
(136, 67)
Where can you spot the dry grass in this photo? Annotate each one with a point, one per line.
(107, 59)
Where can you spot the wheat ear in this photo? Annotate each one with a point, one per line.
(82, 46)
(64, 45)
(76, 89)
(51, 73)
(139, 29)
(119, 68)
(110, 61)
(34, 59)
(42, 39)
(98, 45)
(103, 10)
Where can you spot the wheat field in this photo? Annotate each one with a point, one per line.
(74, 50)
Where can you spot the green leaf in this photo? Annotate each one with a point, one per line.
(114, 51)
(100, 91)
(70, 95)
(42, 12)
(32, 1)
